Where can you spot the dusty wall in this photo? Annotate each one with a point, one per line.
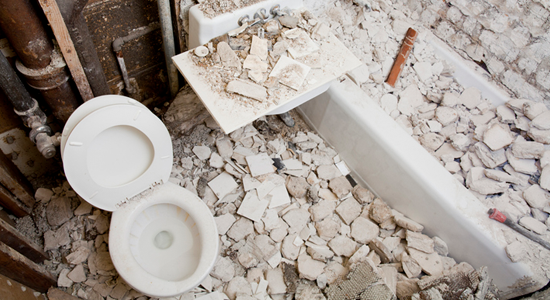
(512, 38)
(144, 56)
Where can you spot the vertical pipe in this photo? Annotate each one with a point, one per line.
(168, 43)
(43, 67)
(22, 27)
(13, 87)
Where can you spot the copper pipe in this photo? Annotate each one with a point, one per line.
(399, 63)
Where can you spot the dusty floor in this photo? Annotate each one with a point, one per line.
(76, 234)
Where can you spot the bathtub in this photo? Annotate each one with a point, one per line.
(383, 157)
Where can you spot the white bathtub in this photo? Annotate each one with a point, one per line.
(397, 169)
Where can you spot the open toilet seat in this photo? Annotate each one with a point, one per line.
(115, 153)
(118, 157)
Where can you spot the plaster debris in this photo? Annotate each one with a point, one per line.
(247, 89)
(290, 72)
(222, 185)
(260, 164)
(43, 195)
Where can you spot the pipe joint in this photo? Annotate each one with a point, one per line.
(45, 145)
(33, 116)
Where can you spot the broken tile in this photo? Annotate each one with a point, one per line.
(290, 72)
(340, 186)
(252, 207)
(77, 274)
(43, 195)
(222, 185)
(497, 137)
(59, 211)
(342, 246)
(227, 55)
(533, 225)
(259, 47)
(309, 268)
(349, 209)
(247, 89)
(202, 152)
(420, 242)
(224, 222)
(379, 211)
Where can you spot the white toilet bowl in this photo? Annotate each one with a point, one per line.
(117, 155)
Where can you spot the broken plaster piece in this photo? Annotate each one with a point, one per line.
(301, 44)
(260, 164)
(254, 63)
(227, 55)
(259, 47)
(247, 89)
(252, 207)
(290, 72)
(222, 185)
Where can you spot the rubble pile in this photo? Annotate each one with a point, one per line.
(500, 153)
(290, 224)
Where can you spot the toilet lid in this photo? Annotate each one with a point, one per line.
(115, 153)
(89, 106)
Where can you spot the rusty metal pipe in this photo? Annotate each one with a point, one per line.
(42, 66)
(27, 108)
(23, 28)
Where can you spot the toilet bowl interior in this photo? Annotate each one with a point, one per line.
(164, 240)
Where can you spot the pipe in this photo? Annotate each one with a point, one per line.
(27, 108)
(168, 44)
(24, 31)
(42, 66)
(71, 10)
(117, 48)
(53, 83)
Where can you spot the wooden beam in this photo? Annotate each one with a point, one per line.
(11, 237)
(13, 180)
(51, 10)
(21, 269)
(9, 202)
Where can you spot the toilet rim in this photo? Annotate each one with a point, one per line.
(88, 107)
(78, 143)
(119, 240)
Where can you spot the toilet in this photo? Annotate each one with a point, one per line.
(117, 155)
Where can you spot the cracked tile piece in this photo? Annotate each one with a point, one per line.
(290, 72)
(247, 89)
(222, 185)
(252, 207)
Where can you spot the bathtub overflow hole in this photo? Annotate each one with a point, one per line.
(163, 239)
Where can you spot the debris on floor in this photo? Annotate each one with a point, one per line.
(318, 236)
(302, 229)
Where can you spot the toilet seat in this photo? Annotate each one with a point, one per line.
(88, 107)
(115, 153)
